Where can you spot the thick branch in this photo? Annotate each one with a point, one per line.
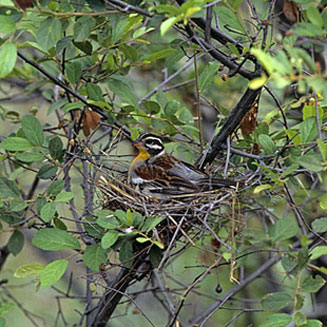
(230, 125)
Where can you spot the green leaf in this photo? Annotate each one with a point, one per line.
(322, 148)
(258, 82)
(47, 171)
(143, 239)
(311, 161)
(7, 25)
(319, 225)
(56, 187)
(94, 92)
(14, 143)
(151, 107)
(318, 251)
(314, 16)
(108, 222)
(17, 205)
(29, 157)
(308, 130)
(74, 71)
(49, 33)
(284, 229)
(8, 189)
(94, 256)
(159, 55)
(2, 322)
(109, 239)
(150, 223)
(121, 215)
(28, 270)
(168, 23)
(53, 272)
(83, 28)
(16, 242)
(312, 285)
(276, 320)
(8, 56)
(48, 211)
(126, 253)
(52, 239)
(308, 29)
(32, 130)
(123, 91)
(267, 143)
(6, 307)
(275, 301)
(56, 148)
(129, 52)
(313, 323)
(208, 75)
(261, 188)
(64, 197)
(171, 107)
(59, 224)
(299, 318)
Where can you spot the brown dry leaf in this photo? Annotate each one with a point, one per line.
(249, 121)
(23, 4)
(291, 11)
(90, 121)
(255, 149)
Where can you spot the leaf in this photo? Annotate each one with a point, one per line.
(74, 71)
(29, 157)
(258, 82)
(276, 320)
(168, 23)
(126, 253)
(109, 223)
(48, 211)
(94, 256)
(318, 251)
(32, 130)
(7, 25)
(8, 189)
(47, 171)
(208, 75)
(275, 301)
(261, 188)
(8, 56)
(64, 197)
(151, 107)
(171, 107)
(299, 318)
(311, 162)
(53, 272)
(94, 92)
(83, 28)
(284, 229)
(123, 91)
(15, 143)
(6, 307)
(17, 205)
(319, 225)
(308, 130)
(150, 223)
(159, 55)
(56, 187)
(312, 285)
(16, 242)
(49, 33)
(314, 16)
(56, 148)
(267, 143)
(109, 239)
(143, 239)
(121, 215)
(52, 239)
(28, 270)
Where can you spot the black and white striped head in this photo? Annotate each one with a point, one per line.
(151, 143)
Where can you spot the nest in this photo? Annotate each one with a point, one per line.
(200, 211)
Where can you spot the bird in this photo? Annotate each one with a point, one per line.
(154, 171)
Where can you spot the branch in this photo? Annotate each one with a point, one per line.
(230, 125)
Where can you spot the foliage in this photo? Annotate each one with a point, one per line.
(109, 70)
